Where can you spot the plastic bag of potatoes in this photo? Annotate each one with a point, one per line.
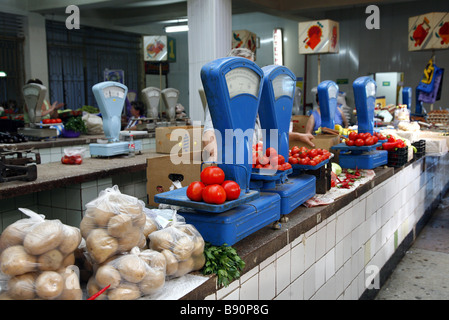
(113, 223)
(129, 276)
(37, 255)
(183, 248)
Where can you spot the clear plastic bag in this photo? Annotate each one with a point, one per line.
(113, 223)
(73, 155)
(129, 276)
(37, 259)
(183, 248)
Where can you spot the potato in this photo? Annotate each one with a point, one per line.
(14, 233)
(156, 260)
(100, 216)
(130, 240)
(22, 287)
(50, 260)
(49, 285)
(198, 261)
(150, 226)
(16, 261)
(107, 275)
(184, 267)
(100, 245)
(71, 239)
(161, 240)
(126, 291)
(87, 225)
(198, 246)
(153, 281)
(92, 288)
(171, 262)
(44, 236)
(72, 289)
(68, 260)
(119, 225)
(183, 248)
(132, 268)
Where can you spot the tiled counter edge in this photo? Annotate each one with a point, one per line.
(344, 250)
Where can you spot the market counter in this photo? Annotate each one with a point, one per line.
(344, 250)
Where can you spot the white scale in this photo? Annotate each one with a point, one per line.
(34, 95)
(170, 97)
(110, 97)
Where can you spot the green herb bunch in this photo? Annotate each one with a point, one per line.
(224, 262)
(76, 124)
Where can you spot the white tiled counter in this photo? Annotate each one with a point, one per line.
(345, 250)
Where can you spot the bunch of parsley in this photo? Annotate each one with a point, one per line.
(224, 262)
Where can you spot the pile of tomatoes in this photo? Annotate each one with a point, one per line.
(51, 121)
(308, 157)
(363, 139)
(213, 188)
(75, 159)
(269, 159)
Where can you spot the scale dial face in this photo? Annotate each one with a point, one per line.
(31, 91)
(242, 80)
(332, 91)
(283, 85)
(114, 92)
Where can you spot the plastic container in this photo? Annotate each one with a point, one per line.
(420, 149)
(369, 160)
(397, 158)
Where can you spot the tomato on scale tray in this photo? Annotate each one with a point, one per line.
(307, 157)
(213, 188)
(269, 160)
(361, 139)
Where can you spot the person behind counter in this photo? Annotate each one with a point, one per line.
(314, 122)
(208, 131)
(137, 111)
(48, 111)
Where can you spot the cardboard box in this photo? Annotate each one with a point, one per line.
(428, 31)
(299, 123)
(319, 36)
(162, 171)
(178, 139)
(322, 141)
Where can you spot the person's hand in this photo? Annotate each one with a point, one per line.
(56, 105)
(210, 147)
(303, 137)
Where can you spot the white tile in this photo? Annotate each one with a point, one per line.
(249, 274)
(320, 272)
(339, 228)
(224, 291)
(358, 213)
(233, 295)
(267, 261)
(309, 282)
(339, 255)
(310, 251)
(330, 234)
(339, 281)
(347, 245)
(327, 291)
(297, 289)
(320, 245)
(267, 282)
(249, 290)
(282, 272)
(330, 264)
(297, 260)
(284, 295)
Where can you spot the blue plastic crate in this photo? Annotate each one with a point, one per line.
(369, 160)
(235, 224)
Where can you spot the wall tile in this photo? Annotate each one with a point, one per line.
(309, 282)
(297, 260)
(267, 282)
(297, 289)
(249, 290)
(283, 272)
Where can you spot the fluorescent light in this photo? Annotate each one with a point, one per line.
(179, 28)
(3, 74)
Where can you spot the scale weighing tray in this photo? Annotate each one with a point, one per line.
(237, 223)
(294, 192)
(178, 197)
(113, 148)
(364, 157)
(297, 168)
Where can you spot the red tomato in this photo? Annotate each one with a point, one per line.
(212, 175)
(232, 189)
(369, 141)
(312, 163)
(214, 194)
(271, 152)
(375, 139)
(350, 143)
(352, 135)
(359, 142)
(295, 149)
(287, 166)
(58, 120)
(52, 120)
(312, 153)
(195, 190)
(281, 159)
(293, 160)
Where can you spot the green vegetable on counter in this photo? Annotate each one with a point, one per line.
(224, 262)
(76, 124)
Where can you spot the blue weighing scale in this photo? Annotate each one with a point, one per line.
(275, 111)
(365, 157)
(233, 87)
(110, 97)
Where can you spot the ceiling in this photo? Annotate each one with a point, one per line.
(132, 13)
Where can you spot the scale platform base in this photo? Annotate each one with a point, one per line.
(112, 149)
(38, 133)
(235, 224)
(368, 160)
(294, 192)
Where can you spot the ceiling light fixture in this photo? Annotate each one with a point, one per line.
(177, 28)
